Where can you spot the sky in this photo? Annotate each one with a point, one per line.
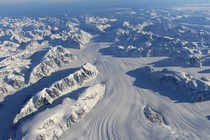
(47, 7)
(69, 1)
(34, 1)
(107, 2)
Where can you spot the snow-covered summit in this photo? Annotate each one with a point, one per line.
(54, 59)
(59, 88)
(64, 116)
(198, 90)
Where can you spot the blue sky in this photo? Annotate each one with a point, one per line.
(47, 7)
(68, 1)
(97, 1)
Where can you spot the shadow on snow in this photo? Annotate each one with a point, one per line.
(14, 102)
(143, 81)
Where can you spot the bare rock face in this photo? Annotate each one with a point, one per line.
(12, 78)
(87, 101)
(202, 96)
(52, 61)
(153, 116)
(18, 71)
(3, 90)
(16, 81)
(197, 89)
(67, 114)
(72, 82)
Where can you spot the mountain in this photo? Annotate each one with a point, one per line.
(119, 73)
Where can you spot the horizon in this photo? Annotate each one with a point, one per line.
(34, 8)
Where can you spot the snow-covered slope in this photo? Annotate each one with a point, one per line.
(98, 23)
(17, 33)
(66, 85)
(16, 69)
(54, 59)
(197, 89)
(161, 35)
(153, 116)
(62, 117)
(150, 66)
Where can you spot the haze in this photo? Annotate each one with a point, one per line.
(15, 8)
